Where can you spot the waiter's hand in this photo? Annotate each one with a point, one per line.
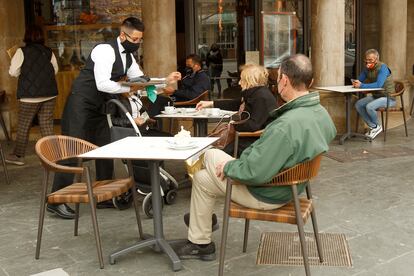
(356, 84)
(173, 77)
(169, 90)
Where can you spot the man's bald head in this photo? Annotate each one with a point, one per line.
(298, 69)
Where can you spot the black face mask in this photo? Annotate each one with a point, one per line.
(188, 70)
(129, 46)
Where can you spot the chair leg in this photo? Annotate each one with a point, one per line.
(136, 206)
(3, 125)
(3, 161)
(75, 232)
(246, 234)
(405, 123)
(41, 214)
(316, 233)
(134, 198)
(299, 222)
(96, 232)
(383, 125)
(357, 123)
(386, 125)
(92, 203)
(225, 228)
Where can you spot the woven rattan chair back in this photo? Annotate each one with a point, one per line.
(51, 149)
(203, 97)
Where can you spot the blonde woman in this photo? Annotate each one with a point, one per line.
(256, 99)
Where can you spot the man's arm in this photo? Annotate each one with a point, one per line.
(382, 76)
(363, 75)
(262, 160)
(16, 63)
(200, 84)
(103, 56)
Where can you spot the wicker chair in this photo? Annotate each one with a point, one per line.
(296, 212)
(52, 149)
(203, 97)
(399, 92)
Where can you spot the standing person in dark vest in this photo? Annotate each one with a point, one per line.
(36, 66)
(375, 75)
(84, 114)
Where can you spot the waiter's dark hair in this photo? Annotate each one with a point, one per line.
(195, 58)
(298, 68)
(34, 34)
(133, 23)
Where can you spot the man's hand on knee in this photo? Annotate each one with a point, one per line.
(220, 170)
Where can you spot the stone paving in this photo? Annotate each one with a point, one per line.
(371, 201)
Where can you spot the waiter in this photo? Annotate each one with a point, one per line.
(84, 114)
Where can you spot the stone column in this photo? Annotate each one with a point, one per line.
(393, 37)
(12, 32)
(160, 48)
(328, 54)
(393, 46)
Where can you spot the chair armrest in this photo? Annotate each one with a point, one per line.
(249, 134)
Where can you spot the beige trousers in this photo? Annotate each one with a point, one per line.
(206, 188)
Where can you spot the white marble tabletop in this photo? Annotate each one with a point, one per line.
(149, 148)
(346, 89)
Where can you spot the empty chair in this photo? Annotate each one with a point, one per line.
(50, 150)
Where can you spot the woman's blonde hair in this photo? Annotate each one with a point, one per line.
(253, 75)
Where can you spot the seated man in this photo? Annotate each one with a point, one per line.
(300, 130)
(375, 75)
(195, 82)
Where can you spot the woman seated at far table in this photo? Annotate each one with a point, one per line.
(256, 99)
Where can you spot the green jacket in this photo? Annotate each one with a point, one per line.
(300, 130)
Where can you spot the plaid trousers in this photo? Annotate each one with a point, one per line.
(27, 111)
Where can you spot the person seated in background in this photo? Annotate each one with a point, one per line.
(375, 75)
(256, 99)
(142, 115)
(193, 84)
(300, 130)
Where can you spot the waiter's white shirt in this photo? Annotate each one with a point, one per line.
(103, 56)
